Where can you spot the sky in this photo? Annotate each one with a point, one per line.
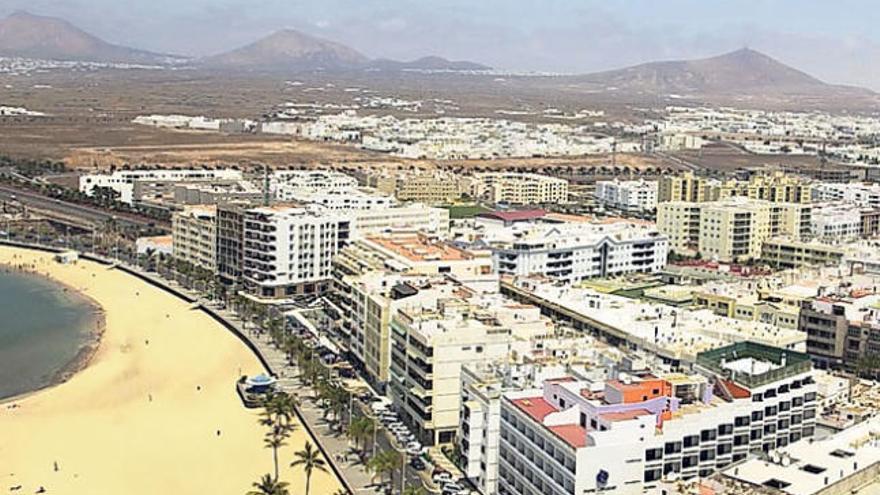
(837, 41)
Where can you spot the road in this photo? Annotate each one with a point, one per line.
(94, 215)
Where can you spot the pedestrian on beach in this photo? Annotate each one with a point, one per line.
(55, 465)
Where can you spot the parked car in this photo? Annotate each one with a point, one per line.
(417, 464)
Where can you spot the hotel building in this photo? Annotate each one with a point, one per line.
(123, 181)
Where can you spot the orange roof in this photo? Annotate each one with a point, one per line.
(736, 391)
(574, 435)
(536, 407)
(625, 415)
(415, 247)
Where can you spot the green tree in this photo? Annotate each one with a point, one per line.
(310, 459)
(269, 486)
(274, 440)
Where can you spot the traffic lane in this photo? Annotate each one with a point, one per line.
(40, 201)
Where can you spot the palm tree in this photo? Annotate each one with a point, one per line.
(274, 440)
(310, 459)
(384, 462)
(269, 486)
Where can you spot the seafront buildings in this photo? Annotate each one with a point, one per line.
(565, 353)
(194, 236)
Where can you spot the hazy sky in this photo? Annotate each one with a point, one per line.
(838, 41)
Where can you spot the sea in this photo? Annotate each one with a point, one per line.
(43, 328)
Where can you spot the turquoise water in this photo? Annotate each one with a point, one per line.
(42, 329)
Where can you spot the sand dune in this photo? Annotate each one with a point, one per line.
(103, 429)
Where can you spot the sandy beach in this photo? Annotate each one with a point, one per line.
(143, 416)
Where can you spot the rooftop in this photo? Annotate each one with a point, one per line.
(418, 247)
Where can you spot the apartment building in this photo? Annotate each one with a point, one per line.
(785, 252)
(429, 187)
(431, 344)
(730, 230)
(375, 276)
(215, 192)
(287, 185)
(745, 302)
(686, 187)
(404, 217)
(627, 195)
(837, 222)
(194, 236)
(230, 241)
(861, 194)
(576, 251)
(287, 250)
(842, 329)
(122, 182)
(777, 187)
(626, 435)
(518, 188)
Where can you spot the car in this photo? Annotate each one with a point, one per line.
(442, 477)
(450, 488)
(413, 445)
(417, 464)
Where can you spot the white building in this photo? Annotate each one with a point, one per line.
(853, 192)
(288, 185)
(836, 222)
(624, 436)
(122, 181)
(287, 251)
(628, 195)
(575, 251)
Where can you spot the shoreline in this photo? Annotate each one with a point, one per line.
(95, 326)
(162, 375)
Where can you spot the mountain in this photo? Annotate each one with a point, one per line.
(289, 50)
(741, 72)
(428, 64)
(32, 36)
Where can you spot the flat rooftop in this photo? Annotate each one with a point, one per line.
(416, 247)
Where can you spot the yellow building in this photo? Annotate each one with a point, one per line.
(786, 252)
(519, 188)
(194, 236)
(729, 230)
(746, 305)
(776, 188)
(429, 187)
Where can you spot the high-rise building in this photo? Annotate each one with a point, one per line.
(628, 195)
(730, 230)
(194, 236)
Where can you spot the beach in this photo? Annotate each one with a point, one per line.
(154, 410)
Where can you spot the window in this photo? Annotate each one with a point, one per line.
(757, 397)
(689, 461)
(707, 454)
(724, 448)
(653, 454)
(797, 401)
(708, 435)
(770, 411)
(785, 405)
(783, 424)
(741, 440)
(725, 429)
(741, 421)
(757, 415)
(672, 467)
(769, 428)
(653, 475)
(810, 397)
(809, 413)
(691, 441)
(756, 434)
(672, 447)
